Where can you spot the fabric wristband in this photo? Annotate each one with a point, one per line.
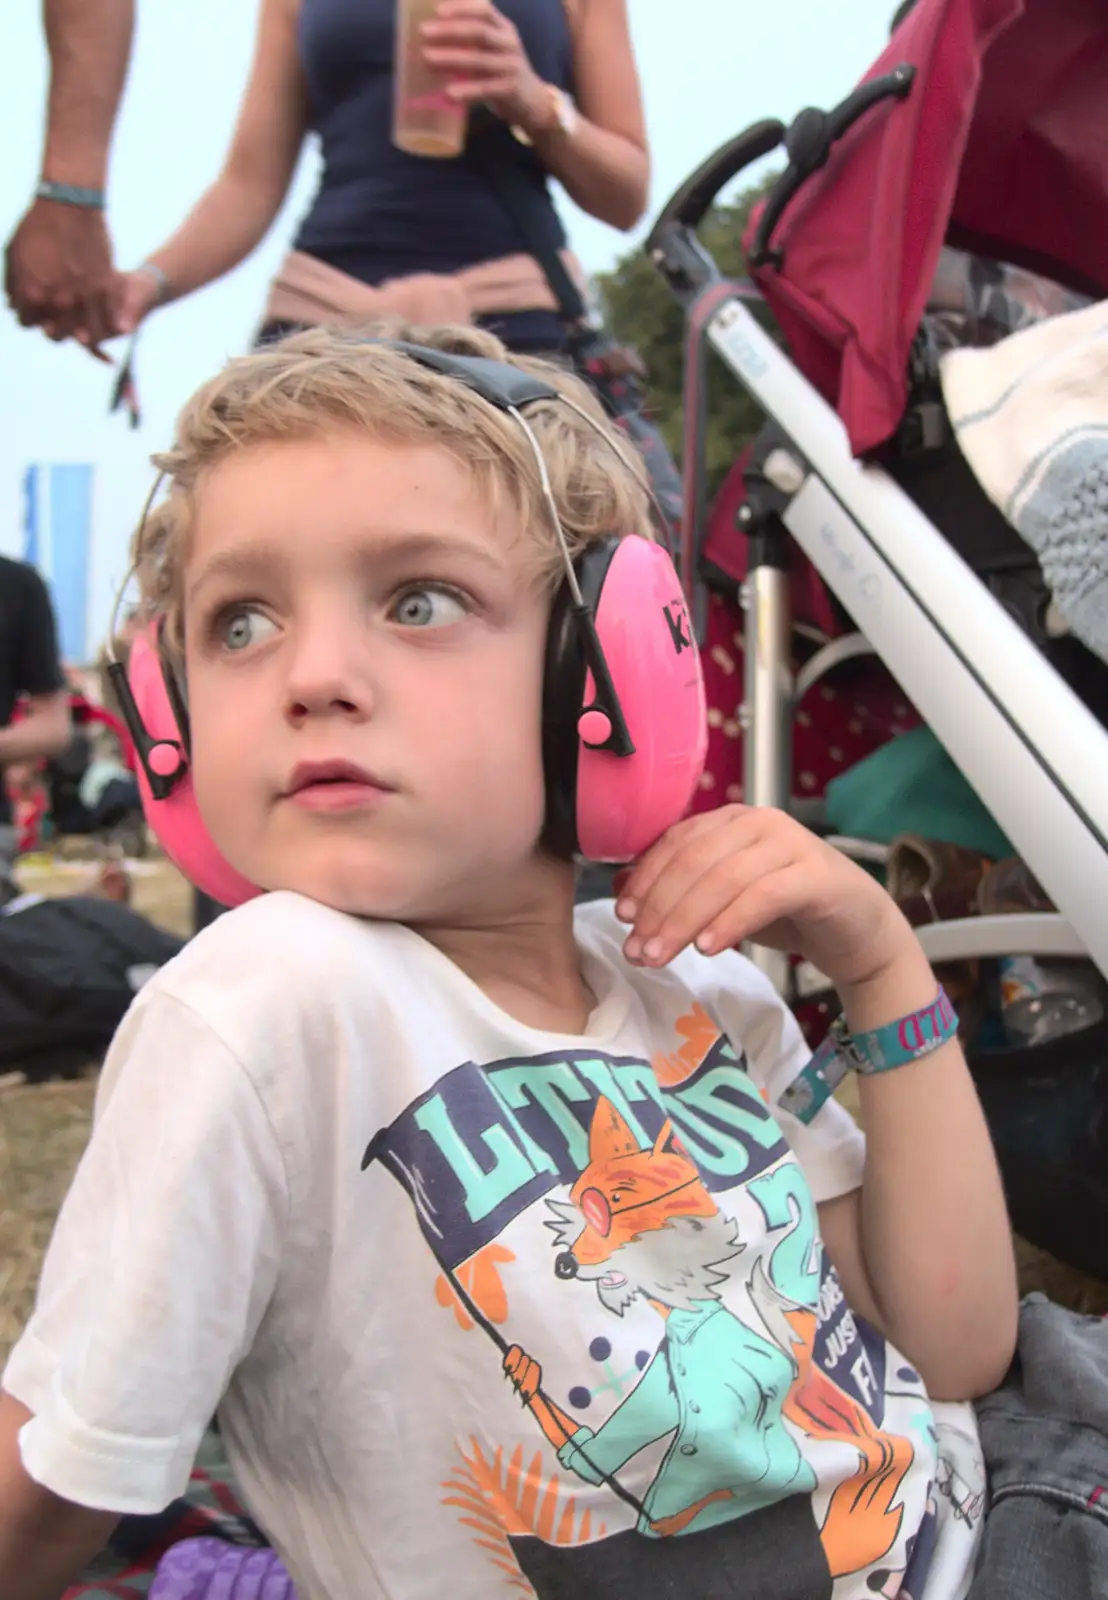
(878, 1050)
(71, 194)
(152, 270)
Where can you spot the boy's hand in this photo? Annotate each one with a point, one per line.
(745, 873)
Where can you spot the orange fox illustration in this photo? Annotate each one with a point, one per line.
(732, 1397)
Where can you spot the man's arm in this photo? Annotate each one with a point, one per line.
(45, 1542)
(90, 45)
(59, 262)
(37, 673)
(43, 731)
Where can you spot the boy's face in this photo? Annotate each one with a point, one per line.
(364, 658)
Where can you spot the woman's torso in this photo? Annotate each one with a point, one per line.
(380, 213)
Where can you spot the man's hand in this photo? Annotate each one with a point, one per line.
(58, 272)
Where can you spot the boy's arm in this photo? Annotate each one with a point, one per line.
(924, 1249)
(45, 1542)
(923, 1244)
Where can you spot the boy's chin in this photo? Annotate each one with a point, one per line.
(393, 889)
(382, 893)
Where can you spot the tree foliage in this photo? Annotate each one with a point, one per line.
(642, 312)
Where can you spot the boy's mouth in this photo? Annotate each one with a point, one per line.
(334, 786)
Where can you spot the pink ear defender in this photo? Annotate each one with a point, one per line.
(157, 719)
(624, 726)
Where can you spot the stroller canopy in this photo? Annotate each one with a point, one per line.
(999, 150)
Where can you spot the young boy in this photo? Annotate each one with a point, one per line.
(478, 1219)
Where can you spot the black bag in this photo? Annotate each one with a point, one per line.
(69, 969)
(1047, 1110)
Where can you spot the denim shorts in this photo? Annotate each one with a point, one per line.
(8, 844)
(1045, 1437)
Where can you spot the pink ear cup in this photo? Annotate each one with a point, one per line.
(176, 820)
(625, 803)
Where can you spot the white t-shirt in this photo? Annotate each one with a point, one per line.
(477, 1302)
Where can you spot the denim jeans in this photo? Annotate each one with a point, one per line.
(1045, 1437)
(8, 843)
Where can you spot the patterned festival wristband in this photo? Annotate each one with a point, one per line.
(71, 194)
(877, 1050)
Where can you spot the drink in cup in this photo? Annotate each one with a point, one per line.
(424, 121)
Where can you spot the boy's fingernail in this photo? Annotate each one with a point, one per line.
(652, 949)
(632, 949)
(626, 910)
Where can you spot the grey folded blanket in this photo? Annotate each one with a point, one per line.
(1031, 417)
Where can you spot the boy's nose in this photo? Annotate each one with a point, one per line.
(328, 678)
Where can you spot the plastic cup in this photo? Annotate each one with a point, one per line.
(424, 121)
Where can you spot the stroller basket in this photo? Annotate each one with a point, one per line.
(1030, 747)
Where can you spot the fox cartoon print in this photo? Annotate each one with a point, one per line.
(733, 1396)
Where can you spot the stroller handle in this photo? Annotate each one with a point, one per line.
(672, 244)
(688, 205)
(808, 144)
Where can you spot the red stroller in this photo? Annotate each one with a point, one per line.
(981, 127)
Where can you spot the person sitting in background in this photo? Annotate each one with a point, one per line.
(29, 668)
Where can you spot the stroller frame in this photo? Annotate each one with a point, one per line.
(1037, 759)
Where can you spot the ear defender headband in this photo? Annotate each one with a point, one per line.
(624, 726)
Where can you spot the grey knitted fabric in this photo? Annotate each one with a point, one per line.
(1064, 518)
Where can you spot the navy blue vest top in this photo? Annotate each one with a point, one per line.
(381, 213)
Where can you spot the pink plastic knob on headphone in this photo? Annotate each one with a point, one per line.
(165, 759)
(594, 727)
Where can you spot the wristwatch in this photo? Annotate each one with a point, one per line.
(879, 1050)
(565, 114)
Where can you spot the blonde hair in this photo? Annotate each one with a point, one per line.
(327, 379)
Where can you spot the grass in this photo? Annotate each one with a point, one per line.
(43, 1131)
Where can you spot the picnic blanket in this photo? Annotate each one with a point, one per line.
(211, 1509)
(1031, 417)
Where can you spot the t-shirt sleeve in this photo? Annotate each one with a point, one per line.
(831, 1149)
(162, 1263)
(37, 665)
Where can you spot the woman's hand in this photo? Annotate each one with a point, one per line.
(135, 295)
(479, 53)
(744, 872)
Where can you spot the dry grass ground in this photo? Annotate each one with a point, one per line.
(43, 1129)
(43, 1132)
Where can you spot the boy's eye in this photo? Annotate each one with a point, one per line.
(242, 626)
(429, 606)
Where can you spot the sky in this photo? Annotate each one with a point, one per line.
(708, 68)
